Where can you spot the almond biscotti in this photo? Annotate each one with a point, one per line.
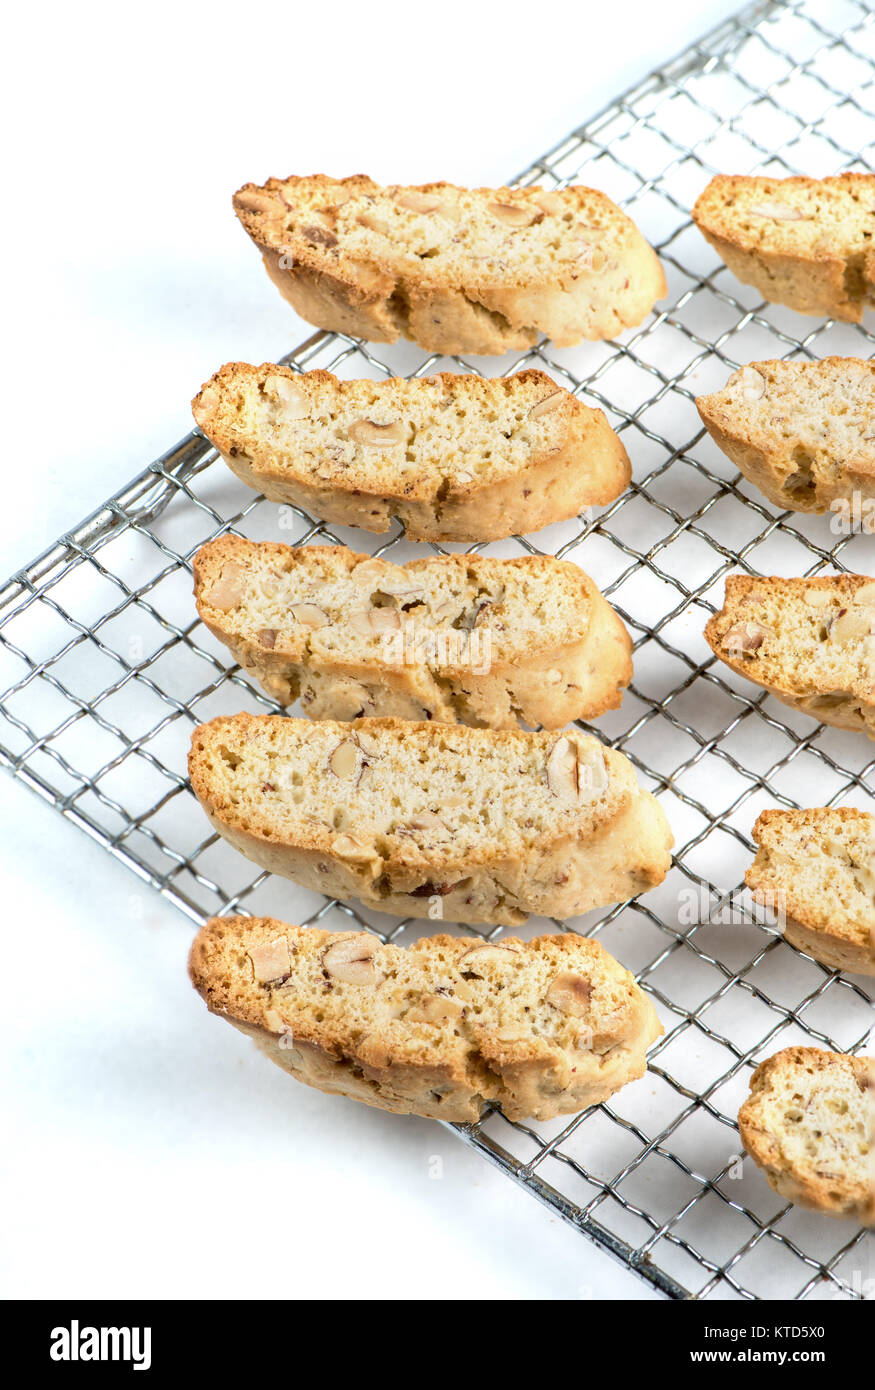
(809, 642)
(806, 243)
(455, 458)
(809, 1123)
(817, 869)
(803, 432)
(433, 820)
(455, 270)
(455, 638)
(544, 1027)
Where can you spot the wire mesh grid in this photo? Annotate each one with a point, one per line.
(105, 671)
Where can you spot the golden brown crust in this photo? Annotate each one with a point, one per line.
(808, 1123)
(473, 651)
(803, 242)
(500, 470)
(455, 270)
(543, 1028)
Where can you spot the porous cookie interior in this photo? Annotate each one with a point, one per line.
(439, 234)
(814, 637)
(821, 1118)
(798, 215)
(439, 993)
(823, 862)
(824, 410)
(408, 438)
(405, 786)
(345, 606)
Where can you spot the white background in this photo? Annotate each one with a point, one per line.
(149, 1150)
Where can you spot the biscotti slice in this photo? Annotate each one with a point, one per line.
(809, 642)
(804, 432)
(456, 638)
(542, 1027)
(809, 1123)
(456, 270)
(816, 870)
(806, 243)
(433, 820)
(455, 458)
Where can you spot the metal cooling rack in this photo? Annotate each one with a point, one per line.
(105, 671)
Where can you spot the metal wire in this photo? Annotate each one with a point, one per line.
(105, 670)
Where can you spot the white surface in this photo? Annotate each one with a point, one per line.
(153, 1153)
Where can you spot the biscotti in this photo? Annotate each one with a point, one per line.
(433, 820)
(809, 1123)
(816, 869)
(454, 458)
(455, 638)
(806, 243)
(455, 270)
(442, 1029)
(809, 642)
(803, 432)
